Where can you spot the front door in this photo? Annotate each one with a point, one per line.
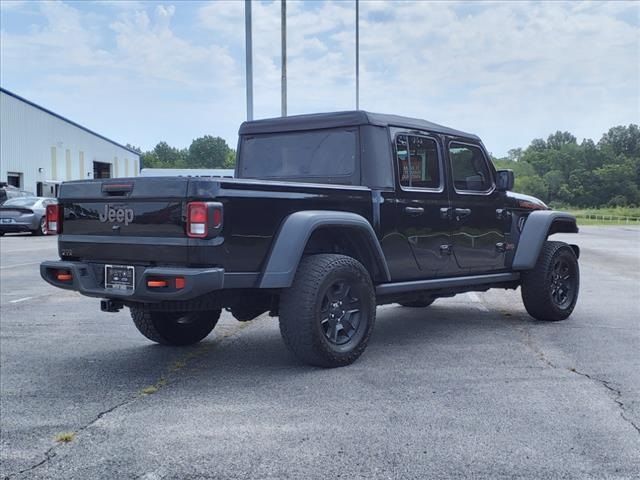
(477, 228)
(421, 200)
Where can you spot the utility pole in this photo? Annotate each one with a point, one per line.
(357, 55)
(249, 54)
(283, 28)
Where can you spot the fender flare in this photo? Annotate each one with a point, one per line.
(291, 240)
(537, 228)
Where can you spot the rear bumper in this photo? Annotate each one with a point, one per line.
(15, 227)
(88, 279)
(24, 223)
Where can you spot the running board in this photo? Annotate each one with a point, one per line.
(439, 283)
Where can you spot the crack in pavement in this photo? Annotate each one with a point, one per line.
(605, 383)
(177, 365)
(617, 392)
(50, 453)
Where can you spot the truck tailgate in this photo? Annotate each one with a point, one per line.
(125, 220)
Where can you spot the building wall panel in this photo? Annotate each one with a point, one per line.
(45, 148)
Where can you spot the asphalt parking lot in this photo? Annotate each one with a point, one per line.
(469, 387)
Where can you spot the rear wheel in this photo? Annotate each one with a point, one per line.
(42, 227)
(327, 315)
(550, 289)
(174, 328)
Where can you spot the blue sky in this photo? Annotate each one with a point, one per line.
(143, 72)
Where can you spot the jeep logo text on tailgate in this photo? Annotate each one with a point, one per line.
(120, 215)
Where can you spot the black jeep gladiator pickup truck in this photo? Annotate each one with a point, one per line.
(330, 215)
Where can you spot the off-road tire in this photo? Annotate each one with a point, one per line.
(539, 283)
(303, 307)
(174, 328)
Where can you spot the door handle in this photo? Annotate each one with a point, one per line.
(414, 210)
(462, 212)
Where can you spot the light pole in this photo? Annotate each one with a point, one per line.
(283, 28)
(249, 54)
(357, 55)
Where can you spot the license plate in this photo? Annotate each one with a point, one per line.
(7, 220)
(119, 277)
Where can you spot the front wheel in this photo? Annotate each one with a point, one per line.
(550, 289)
(327, 315)
(174, 328)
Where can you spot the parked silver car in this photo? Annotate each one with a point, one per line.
(25, 214)
(9, 191)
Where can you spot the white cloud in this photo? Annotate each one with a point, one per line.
(509, 71)
(130, 77)
(149, 47)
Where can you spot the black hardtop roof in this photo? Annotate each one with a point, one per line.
(315, 121)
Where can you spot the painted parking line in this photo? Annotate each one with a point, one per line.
(18, 300)
(475, 298)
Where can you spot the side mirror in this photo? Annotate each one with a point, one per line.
(505, 180)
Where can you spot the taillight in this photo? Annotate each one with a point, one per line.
(197, 219)
(54, 219)
(64, 276)
(204, 219)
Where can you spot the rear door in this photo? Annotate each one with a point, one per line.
(422, 203)
(477, 231)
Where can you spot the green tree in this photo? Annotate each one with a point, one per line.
(559, 139)
(622, 140)
(164, 156)
(208, 152)
(134, 148)
(532, 185)
(230, 161)
(515, 154)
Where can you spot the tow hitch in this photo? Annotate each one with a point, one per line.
(111, 305)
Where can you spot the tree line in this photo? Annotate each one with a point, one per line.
(558, 170)
(561, 171)
(204, 152)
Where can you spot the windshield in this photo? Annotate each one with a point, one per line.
(21, 202)
(328, 155)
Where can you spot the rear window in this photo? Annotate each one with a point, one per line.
(320, 154)
(20, 202)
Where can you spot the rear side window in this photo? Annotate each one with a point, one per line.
(418, 162)
(470, 169)
(299, 155)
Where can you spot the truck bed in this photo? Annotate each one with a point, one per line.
(151, 230)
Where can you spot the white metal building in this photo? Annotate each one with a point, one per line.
(39, 149)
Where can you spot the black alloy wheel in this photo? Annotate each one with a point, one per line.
(563, 279)
(340, 313)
